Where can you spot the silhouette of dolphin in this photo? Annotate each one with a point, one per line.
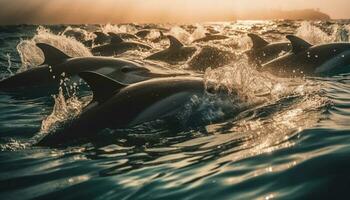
(143, 33)
(263, 51)
(58, 63)
(308, 60)
(210, 37)
(212, 57)
(126, 36)
(76, 33)
(118, 46)
(101, 38)
(176, 52)
(118, 105)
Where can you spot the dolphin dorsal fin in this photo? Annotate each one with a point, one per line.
(102, 86)
(52, 55)
(298, 44)
(258, 42)
(174, 42)
(115, 38)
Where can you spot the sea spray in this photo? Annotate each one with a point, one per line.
(252, 85)
(181, 34)
(9, 61)
(118, 28)
(199, 32)
(313, 34)
(32, 56)
(63, 110)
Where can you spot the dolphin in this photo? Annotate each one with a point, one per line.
(212, 57)
(176, 52)
(118, 105)
(143, 33)
(58, 63)
(76, 33)
(210, 37)
(125, 36)
(308, 60)
(118, 46)
(263, 51)
(101, 38)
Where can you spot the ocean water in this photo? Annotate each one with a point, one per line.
(291, 139)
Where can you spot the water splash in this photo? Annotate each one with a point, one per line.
(199, 32)
(32, 56)
(14, 145)
(255, 86)
(127, 28)
(239, 77)
(313, 34)
(9, 64)
(243, 43)
(63, 110)
(341, 33)
(181, 34)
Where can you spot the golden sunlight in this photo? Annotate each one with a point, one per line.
(119, 11)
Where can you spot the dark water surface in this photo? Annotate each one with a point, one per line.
(290, 144)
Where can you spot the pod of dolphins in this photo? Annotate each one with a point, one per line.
(141, 93)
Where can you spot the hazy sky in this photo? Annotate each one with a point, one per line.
(104, 11)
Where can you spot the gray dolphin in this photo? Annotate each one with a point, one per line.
(263, 51)
(308, 60)
(176, 52)
(118, 105)
(143, 33)
(126, 36)
(210, 37)
(118, 46)
(58, 63)
(78, 34)
(101, 38)
(212, 57)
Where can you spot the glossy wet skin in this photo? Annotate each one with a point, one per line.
(171, 55)
(269, 52)
(210, 57)
(211, 37)
(101, 38)
(308, 62)
(126, 71)
(114, 49)
(132, 105)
